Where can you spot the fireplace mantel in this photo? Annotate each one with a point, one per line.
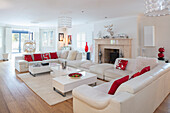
(124, 45)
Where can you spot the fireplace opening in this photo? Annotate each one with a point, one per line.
(111, 55)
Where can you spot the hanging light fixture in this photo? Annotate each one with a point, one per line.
(157, 7)
(64, 22)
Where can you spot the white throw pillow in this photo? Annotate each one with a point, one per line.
(72, 55)
(142, 62)
(64, 54)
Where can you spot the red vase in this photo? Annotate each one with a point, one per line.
(161, 49)
(160, 55)
(86, 48)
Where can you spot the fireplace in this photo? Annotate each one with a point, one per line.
(111, 55)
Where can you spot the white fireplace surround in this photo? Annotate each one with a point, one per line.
(124, 46)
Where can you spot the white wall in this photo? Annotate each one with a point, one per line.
(127, 25)
(162, 34)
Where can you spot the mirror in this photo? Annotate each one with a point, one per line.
(149, 35)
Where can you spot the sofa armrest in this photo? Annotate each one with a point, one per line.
(92, 97)
(17, 58)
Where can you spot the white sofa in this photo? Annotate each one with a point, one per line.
(142, 94)
(22, 65)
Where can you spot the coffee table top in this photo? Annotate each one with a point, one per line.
(65, 80)
(58, 71)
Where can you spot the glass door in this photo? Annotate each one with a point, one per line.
(15, 42)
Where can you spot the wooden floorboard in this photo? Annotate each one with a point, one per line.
(16, 97)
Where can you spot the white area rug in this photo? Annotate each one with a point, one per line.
(42, 86)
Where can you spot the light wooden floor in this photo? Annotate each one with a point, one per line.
(16, 97)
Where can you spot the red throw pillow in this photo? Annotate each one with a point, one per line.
(135, 75)
(46, 56)
(54, 55)
(117, 83)
(144, 70)
(122, 64)
(37, 57)
(28, 58)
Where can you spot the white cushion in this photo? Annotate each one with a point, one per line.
(87, 65)
(79, 56)
(23, 62)
(115, 73)
(142, 62)
(64, 54)
(72, 55)
(76, 63)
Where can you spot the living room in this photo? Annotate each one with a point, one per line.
(85, 56)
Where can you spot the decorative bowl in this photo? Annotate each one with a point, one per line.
(75, 75)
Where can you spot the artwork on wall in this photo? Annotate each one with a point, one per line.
(69, 39)
(61, 37)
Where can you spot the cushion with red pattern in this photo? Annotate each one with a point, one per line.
(28, 58)
(144, 70)
(54, 55)
(46, 56)
(122, 64)
(37, 57)
(116, 84)
(135, 75)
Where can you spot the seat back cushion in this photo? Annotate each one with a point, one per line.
(142, 62)
(46, 56)
(37, 57)
(64, 54)
(54, 55)
(72, 55)
(79, 56)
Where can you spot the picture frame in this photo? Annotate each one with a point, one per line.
(69, 38)
(61, 37)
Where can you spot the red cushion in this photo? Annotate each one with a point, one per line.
(46, 56)
(144, 70)
(28, 58)
(54, 55)
(122, 64)
(117, 83)
(37, 57)
(135, 75)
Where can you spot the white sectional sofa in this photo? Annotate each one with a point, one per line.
(142, 94)
(22, 65)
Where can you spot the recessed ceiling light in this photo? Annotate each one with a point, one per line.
(105, 17)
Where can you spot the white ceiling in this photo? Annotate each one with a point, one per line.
(46, 12)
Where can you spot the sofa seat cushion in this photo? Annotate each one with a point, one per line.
(76, 63)
(87, 65)
(51, 61)
(72, 55)
(64, 54)
(115, 73)
(100, 68)
(34, 62)
(104, 87)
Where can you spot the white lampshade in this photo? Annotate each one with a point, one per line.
(64, 22)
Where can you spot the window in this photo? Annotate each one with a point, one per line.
(47, 38)
(81, 41)
(18, 40)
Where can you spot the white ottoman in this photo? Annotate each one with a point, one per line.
(37, 70)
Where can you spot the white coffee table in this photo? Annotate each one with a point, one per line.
(37, 70)
(58, 71)
(64, 84)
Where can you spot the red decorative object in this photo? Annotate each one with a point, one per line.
(161, 49)
(28, 58)
(86, 48)
(54, 55)
(144, 70)
(37, 57)
(161, 53)
(75, 75)
(122, 64)
(116, 84)
(135, 75)
(46, 56)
